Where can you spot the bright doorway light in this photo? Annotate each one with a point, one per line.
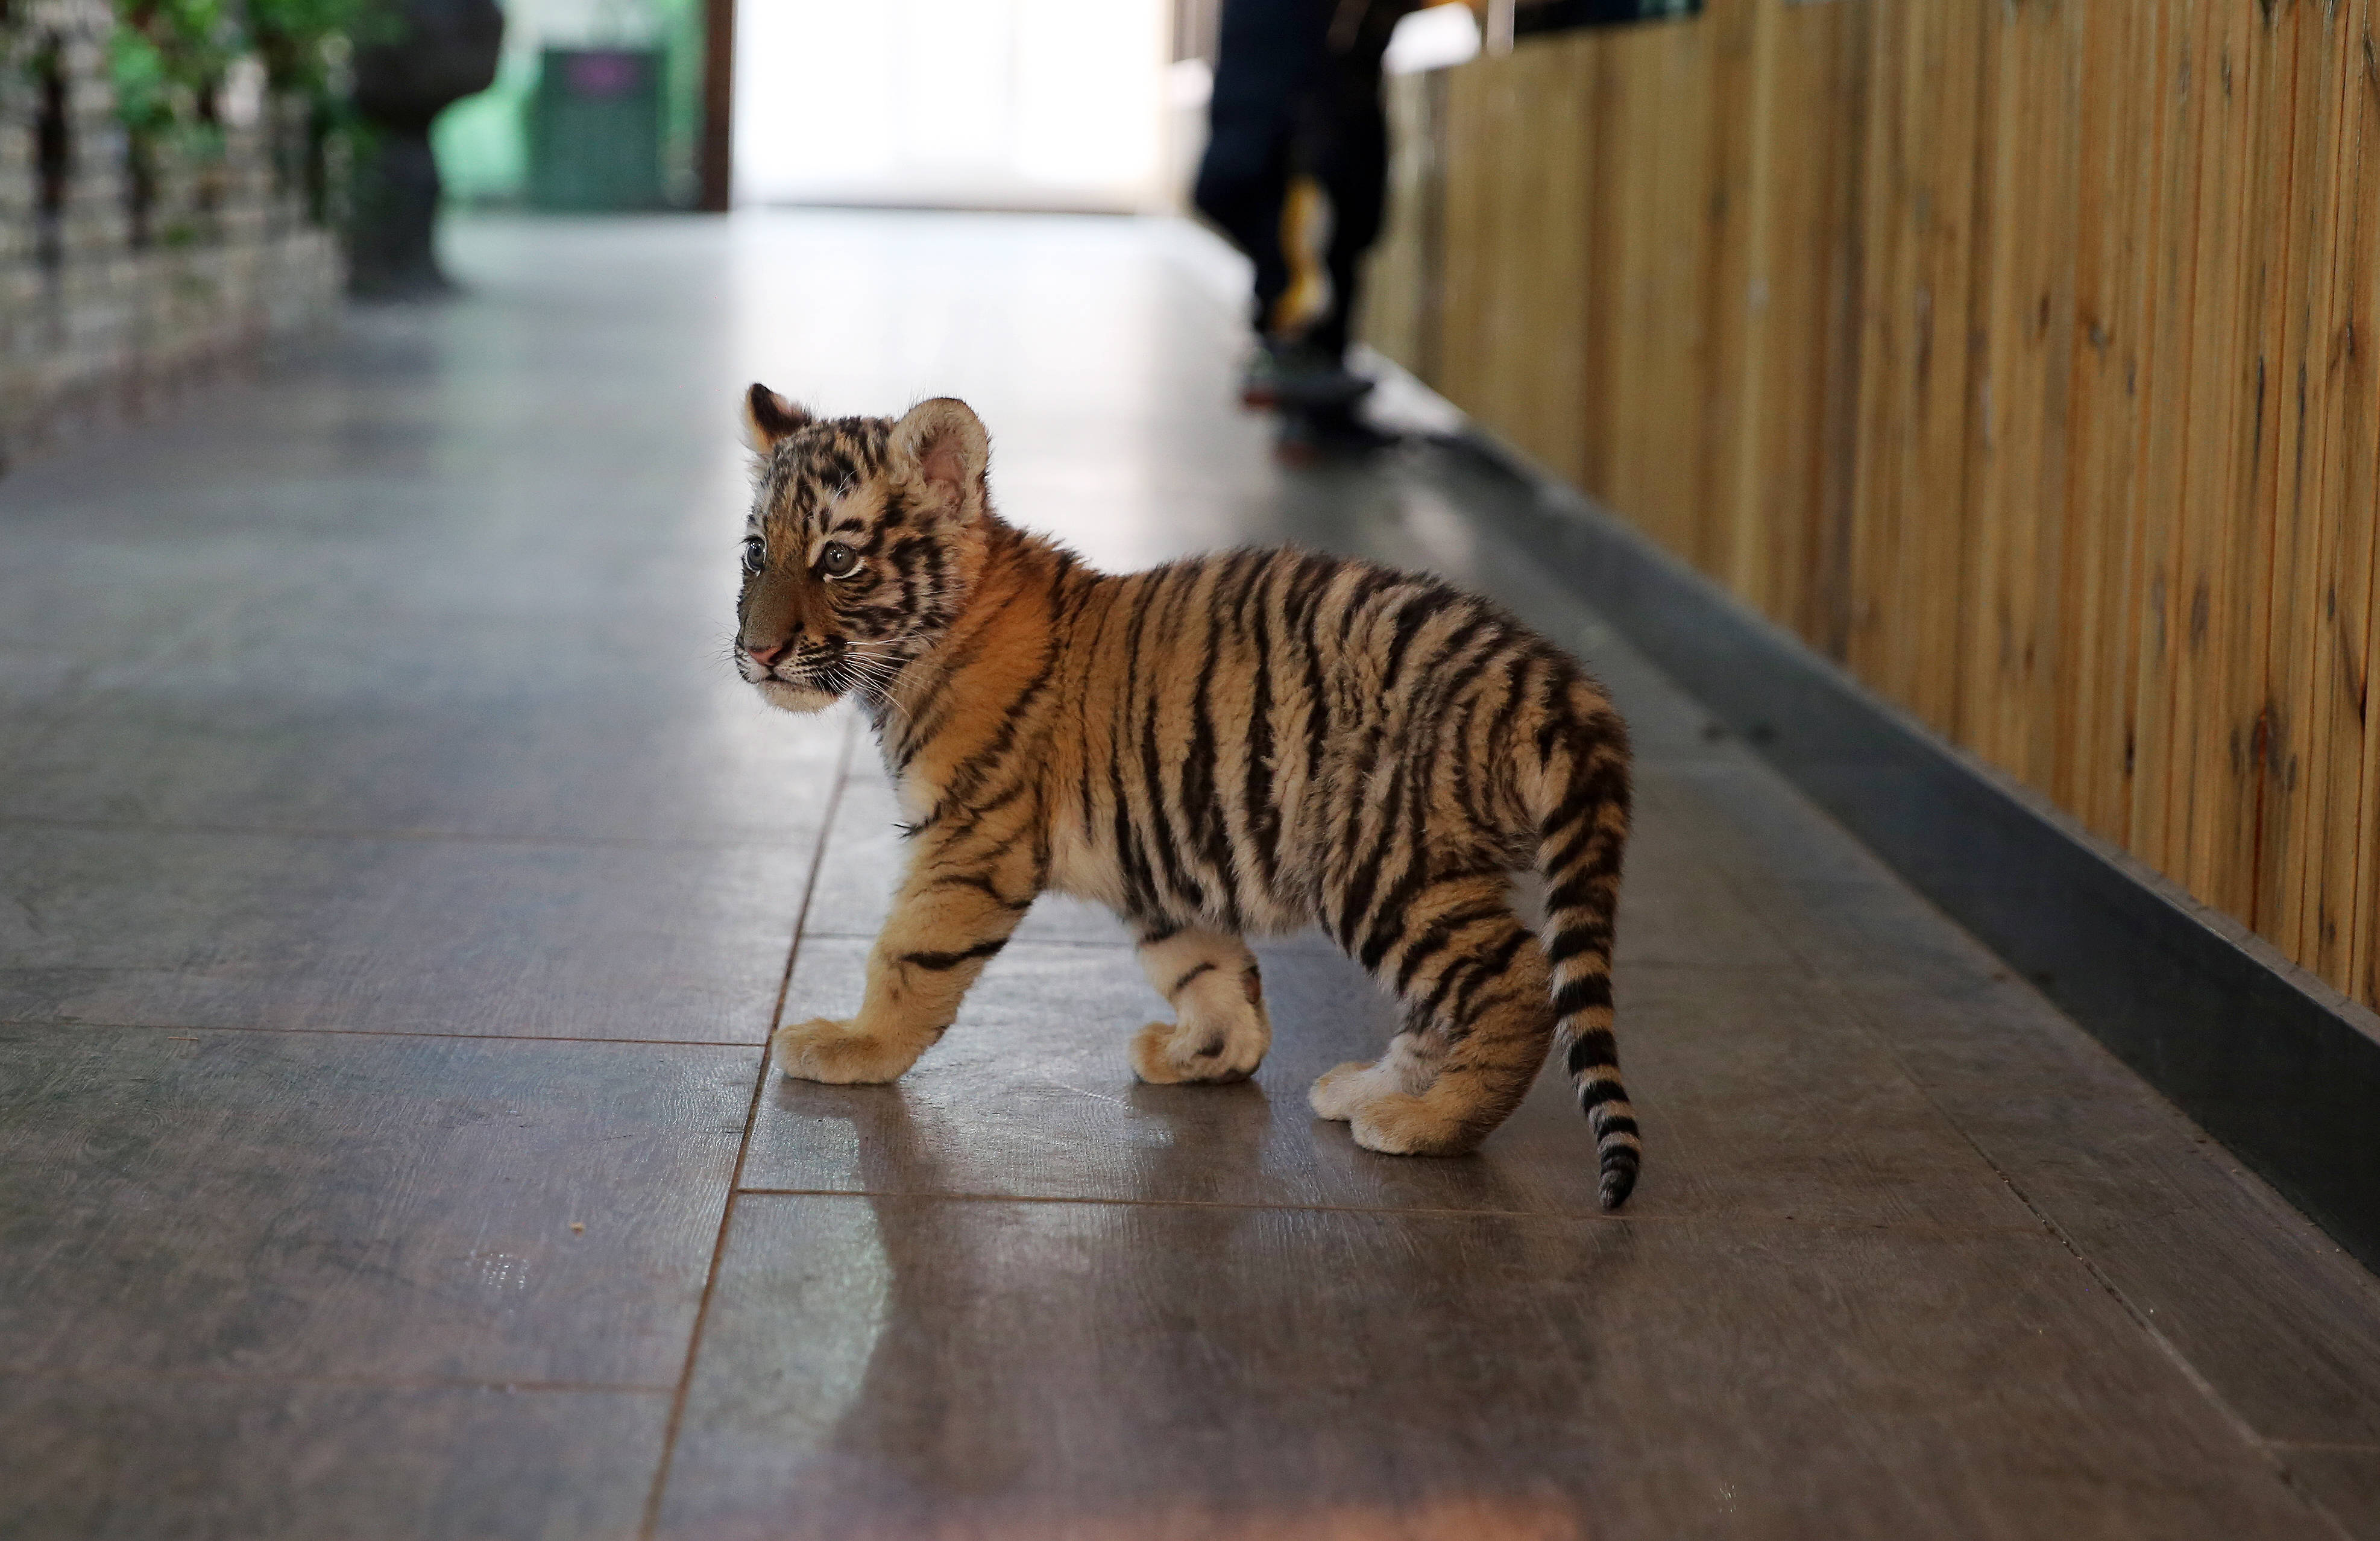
(1437, 37)
(976, 103)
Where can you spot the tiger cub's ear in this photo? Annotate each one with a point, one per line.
(942, 445)
(769, 417)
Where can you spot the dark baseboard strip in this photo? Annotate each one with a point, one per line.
(2270, 1060)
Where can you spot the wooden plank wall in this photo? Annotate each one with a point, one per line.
(2021, 355)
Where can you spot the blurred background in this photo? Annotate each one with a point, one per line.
(1088, 106)
(1009, 104)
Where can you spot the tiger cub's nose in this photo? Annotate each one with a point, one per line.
(767, 656)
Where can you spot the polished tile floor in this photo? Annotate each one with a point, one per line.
(397, 889)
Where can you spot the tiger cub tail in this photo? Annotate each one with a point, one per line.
(1579, 845)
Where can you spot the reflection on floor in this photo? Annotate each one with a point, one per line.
(399, 888)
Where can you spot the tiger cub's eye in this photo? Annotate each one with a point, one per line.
(837, 560)
(754, 553)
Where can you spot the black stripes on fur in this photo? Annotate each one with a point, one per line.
(1193, 972)
(1582, 844)
(1392, 741)
(942, 961)
(1276, 737)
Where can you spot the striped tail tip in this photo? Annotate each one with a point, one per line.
(1619, 1175)
(1619, 1151)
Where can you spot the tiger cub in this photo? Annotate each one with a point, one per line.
(1246, 743)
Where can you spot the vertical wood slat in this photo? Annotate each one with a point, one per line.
(2117, 161)
(2345, 747)
(2336, 923)
(2168, 377)
(1514, 346)
(2304, 316)
(1742, 174)
(2361, 919)
(2286, 41)
(2212, 307)
(1470, 166)
(1848, 85)
(2018, 451)
(2243, 175)
(2021, 355)
(1889, 332)
(1655, 183)
(1917, 374)
(1792, 493)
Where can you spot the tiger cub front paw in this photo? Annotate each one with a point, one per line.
(1165, 1053)
(839, 1054)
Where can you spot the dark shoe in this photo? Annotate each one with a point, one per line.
(1292, 375)
(1259, 376)
(1331, 432)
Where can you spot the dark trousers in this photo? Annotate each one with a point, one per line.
(1288, 102)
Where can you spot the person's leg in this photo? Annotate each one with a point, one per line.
(1340, 142)
(1355, 175)
(1241, 182)
(1344, 141)
(1344, 147)
(1267, 52)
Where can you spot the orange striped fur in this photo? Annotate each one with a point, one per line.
(1243, 744)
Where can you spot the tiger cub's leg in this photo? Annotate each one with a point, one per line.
(963, 897)
(1210, 979)
(1477, 1023)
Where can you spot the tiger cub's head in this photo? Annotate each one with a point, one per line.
(864, 537)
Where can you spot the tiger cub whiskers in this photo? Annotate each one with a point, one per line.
(1248, 743)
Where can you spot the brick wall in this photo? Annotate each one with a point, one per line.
(97, 319)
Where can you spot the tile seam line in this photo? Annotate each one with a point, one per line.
(2352, 1447)
(427, 837)
(1800, 978)
(523, 1386)
(2246, 1431)
(1022, 947)
(1025, 947)
(649, 1524)
(59, 1025)
(1563, 1216)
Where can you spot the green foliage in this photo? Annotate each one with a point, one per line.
(305, 42)
(165, 56)
(144, 96)
(169, 58)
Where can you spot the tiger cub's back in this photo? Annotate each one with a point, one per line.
(1264, 733)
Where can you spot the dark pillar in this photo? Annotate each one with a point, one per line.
(718, 101)
(437, 53)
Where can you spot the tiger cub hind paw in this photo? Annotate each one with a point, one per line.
(1384, 1117)
(1340, 1090)
(1398, 1123)
(1166, 1054)
(838, 1054)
